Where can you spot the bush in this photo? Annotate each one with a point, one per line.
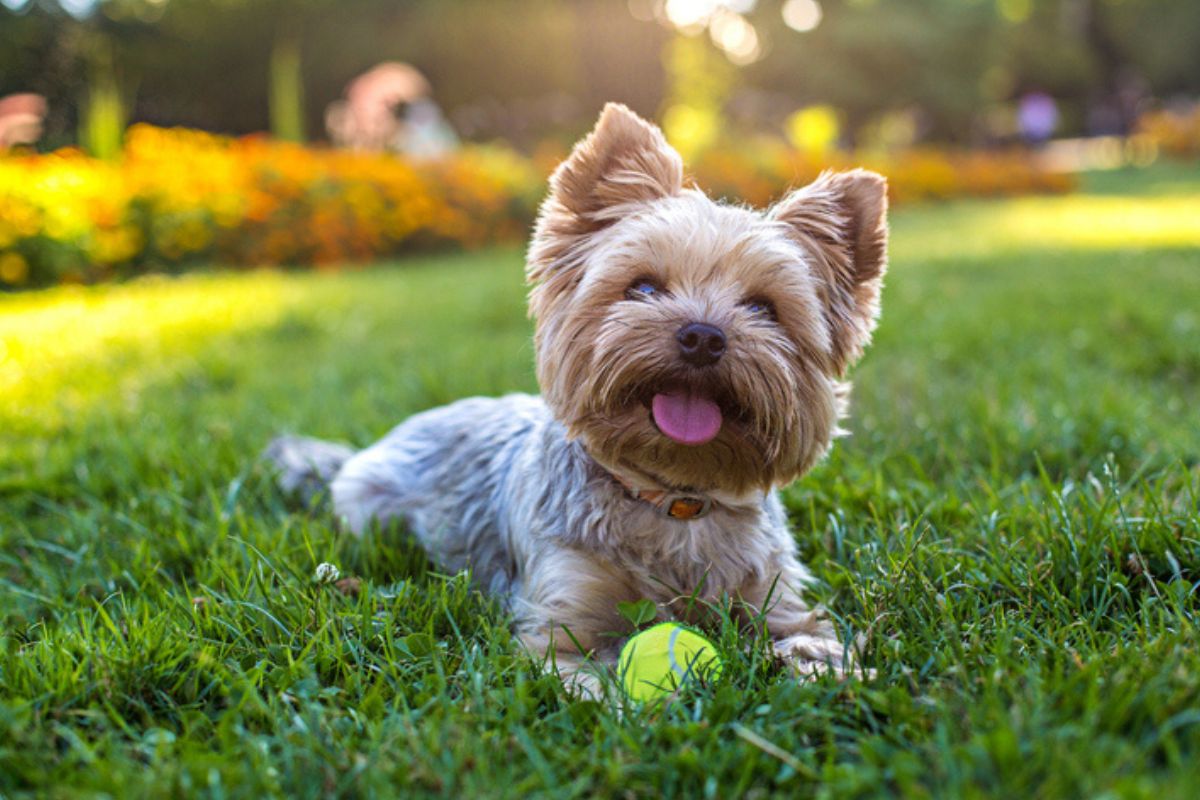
(180, 198)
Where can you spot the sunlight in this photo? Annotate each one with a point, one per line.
(57, 348)
(1075, 222)
(1088, 222)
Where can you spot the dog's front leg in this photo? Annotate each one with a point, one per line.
(566, 609)
(803, 636)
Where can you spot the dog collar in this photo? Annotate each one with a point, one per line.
(676, 505)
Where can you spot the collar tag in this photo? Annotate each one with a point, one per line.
(685, 507)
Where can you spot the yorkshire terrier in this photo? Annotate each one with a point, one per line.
(690, 355)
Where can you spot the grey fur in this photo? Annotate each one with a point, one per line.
(495, 486)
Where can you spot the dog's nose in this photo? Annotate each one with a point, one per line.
(700, 344)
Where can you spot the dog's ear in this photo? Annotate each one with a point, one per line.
(840, 220)
(624, 160)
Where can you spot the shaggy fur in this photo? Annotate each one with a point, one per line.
(538, 497)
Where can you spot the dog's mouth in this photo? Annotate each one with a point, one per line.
(686, 417)
(688, 413)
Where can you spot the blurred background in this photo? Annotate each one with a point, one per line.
(316, 132)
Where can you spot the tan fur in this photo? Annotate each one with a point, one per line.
(521, 490)
(617, 212)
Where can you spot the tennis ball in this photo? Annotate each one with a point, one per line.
(657, 661)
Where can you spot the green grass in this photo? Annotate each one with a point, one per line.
(1013, 528)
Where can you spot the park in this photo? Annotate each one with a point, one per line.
(1010, 533)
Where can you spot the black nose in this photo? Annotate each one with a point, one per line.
(700, 344)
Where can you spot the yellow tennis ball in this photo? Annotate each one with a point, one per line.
(657, 661)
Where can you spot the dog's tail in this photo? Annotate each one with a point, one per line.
(305, 467)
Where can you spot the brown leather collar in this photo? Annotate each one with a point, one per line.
(681, 505)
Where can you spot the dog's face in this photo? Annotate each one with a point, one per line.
(698, 343)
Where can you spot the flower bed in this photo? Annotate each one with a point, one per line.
(181, 198)
(761, 172)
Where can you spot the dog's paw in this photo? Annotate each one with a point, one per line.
(812, 656)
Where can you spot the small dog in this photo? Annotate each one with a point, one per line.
(690, 356)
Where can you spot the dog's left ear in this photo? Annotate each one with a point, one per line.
(841, 222)
(623, 161)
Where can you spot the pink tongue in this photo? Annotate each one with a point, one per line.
(686, 418)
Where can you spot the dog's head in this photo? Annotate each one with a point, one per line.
(699, 343)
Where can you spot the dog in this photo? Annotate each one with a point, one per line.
(691, 357)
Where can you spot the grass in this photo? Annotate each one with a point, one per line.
(1013, 527)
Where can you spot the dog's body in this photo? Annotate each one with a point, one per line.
(495, 486)
(690, 356)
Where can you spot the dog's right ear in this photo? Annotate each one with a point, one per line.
(623, 161)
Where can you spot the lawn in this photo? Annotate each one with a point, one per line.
(1013, 527)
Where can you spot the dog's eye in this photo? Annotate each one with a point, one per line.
(761, 308)
(641, 288)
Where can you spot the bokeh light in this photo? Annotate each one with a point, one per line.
(691, 129)
(690, 15)
(814, 129)
(78, 8)
(105, 174)
(736, 37)
(802, 15)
